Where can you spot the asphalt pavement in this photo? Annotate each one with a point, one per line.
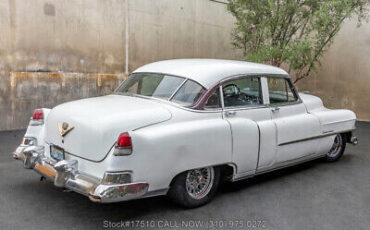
(315, 195)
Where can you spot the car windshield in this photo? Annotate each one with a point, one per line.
(162, 86)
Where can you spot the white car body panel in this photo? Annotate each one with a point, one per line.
(293, 123)
(103, 119)
(246, 129)
(179, 145)
(169, 139)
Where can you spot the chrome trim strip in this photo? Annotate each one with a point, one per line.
(164, 73)
(95, 161)
(314, 137)
(265, 89)
(240, 108)
(159, 192)
(329, 131)
(177, 89)
(221, 97)
(287, 164)
(234, 77)
(334, 122)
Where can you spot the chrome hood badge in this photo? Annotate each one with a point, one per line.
(63, 128)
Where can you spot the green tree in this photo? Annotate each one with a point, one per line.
(290, 33)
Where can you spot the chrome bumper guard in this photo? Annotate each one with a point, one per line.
(65, 174)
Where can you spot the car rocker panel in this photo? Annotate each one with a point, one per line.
(175, 127)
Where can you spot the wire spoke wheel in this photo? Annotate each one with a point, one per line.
(336, 147)
(199, 182)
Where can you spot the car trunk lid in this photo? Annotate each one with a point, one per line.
(97, 122)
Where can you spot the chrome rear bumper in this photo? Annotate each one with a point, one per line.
(65, 174)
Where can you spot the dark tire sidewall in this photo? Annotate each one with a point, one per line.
(341, 151)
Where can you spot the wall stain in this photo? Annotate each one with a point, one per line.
(49, 9)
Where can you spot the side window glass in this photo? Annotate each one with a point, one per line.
(189, 93)
(242, 92)
(213, 102)
(280, 91)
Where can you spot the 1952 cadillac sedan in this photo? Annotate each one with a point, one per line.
(179, 127)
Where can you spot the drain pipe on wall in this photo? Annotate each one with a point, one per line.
(126, 37)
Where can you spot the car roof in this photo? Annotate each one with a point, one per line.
(208, 72)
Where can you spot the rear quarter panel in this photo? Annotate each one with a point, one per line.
(190, 140)
(38, 131)
(337, 120)
(331, 120)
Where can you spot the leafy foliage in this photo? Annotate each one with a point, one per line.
(292, 33)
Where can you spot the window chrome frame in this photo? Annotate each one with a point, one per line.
(177, 89)
(200, 105)
(210, 92)
(242, 107)
(292, 87)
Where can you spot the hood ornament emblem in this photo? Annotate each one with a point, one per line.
(63, 128)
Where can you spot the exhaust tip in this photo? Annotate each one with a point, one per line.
(354, 140)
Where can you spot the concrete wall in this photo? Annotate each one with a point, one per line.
(168, 29)
(343, 81)
(77, 36)
(88, 36)
(83, 44)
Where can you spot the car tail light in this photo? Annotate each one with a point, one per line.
(124, 145)
(37, 117)
(38, 114)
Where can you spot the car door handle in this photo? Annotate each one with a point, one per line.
(230, 113)
(275, 109)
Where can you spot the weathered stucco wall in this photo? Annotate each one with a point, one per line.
(168, 29)
(74, 38)
(77, 36)
(65, 37)
(343, 81)
(88, 36)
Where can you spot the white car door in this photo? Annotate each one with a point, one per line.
(296, 129)
(253, 131)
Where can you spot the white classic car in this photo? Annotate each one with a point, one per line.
(179, 127)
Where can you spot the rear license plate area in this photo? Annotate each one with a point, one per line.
(57, 153)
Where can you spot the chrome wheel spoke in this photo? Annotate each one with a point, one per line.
(199, 182)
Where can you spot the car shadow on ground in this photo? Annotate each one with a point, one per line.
(73, 204)
(279, 174)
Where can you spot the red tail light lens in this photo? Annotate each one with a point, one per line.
(124, 145)
(124, 140)
(38, 114)
(37, 118)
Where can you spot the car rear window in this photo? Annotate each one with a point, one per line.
(151, 85)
